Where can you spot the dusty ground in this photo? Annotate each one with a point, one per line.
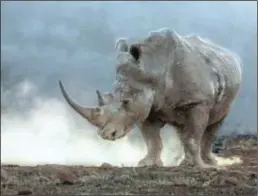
(78, 180)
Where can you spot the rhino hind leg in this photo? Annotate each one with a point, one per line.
(207, 153)
(192, 134)
(151, 136)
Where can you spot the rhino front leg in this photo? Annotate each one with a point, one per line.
(207, 153)
(192, 133)
(151, 136)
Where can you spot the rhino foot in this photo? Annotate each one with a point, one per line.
(149, 162)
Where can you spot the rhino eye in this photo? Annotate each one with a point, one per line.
(125, 103)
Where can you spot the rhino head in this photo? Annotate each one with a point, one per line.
(112, 117)
(116, 115)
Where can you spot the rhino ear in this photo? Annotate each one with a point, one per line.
(121, 45)
(105, 98)
(135, 51)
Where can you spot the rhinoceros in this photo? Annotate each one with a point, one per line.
(165, 78)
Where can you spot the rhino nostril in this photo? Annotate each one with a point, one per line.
(113, 134)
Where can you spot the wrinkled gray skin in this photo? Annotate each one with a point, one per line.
(185, 81)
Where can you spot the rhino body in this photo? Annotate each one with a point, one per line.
(185, 81)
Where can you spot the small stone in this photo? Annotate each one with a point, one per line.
(253, 175)
(25, 192)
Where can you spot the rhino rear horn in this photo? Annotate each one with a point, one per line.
(104, 99)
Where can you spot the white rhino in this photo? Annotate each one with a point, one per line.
(165, 78)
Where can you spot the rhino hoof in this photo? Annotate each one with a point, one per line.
(147, 162)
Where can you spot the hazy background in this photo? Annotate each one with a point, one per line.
(42, 42)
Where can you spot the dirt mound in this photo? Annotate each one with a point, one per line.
(78, 180)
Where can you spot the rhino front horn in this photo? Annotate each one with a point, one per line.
(87, 113)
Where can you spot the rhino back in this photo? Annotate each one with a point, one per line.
(226, 67)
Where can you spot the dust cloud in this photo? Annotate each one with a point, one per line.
(48, 134)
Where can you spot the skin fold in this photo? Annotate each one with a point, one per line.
(166, 78)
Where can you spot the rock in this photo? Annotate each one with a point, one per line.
(4, 174)
(106, 165)
(66, 178)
